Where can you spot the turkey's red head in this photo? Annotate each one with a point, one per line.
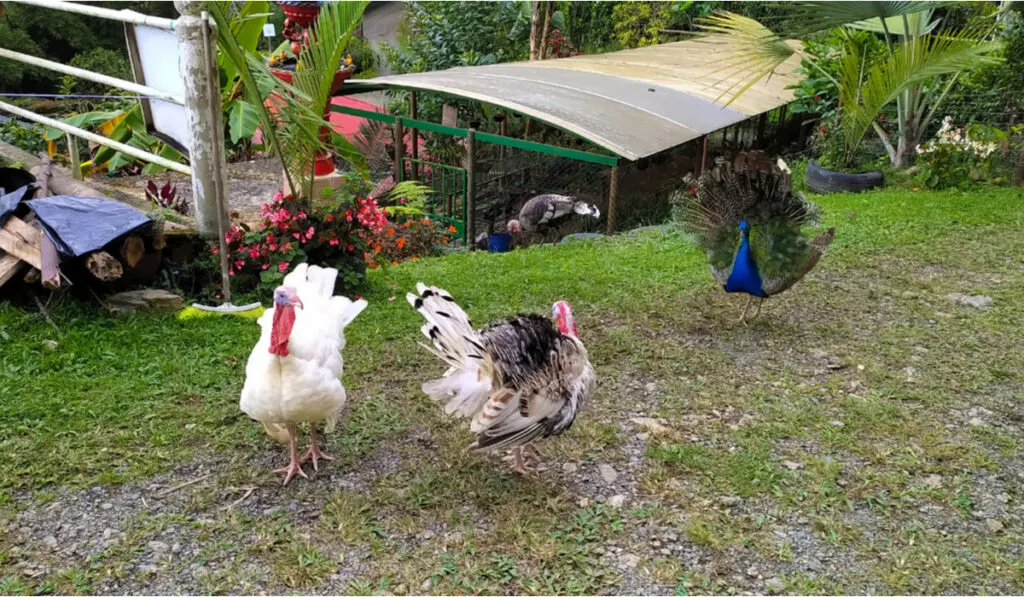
(285, 299)
(563, 317)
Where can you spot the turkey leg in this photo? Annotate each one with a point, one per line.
(314, 452)
(294, 467)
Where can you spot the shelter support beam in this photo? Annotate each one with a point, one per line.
(414, 150)
(613, 199)
(471, 185)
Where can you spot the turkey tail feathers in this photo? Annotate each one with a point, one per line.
(467, 381)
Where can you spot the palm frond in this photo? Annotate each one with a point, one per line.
(811, 17)
(912, 62)
(918, 23)
(746, 50)
(320, 59)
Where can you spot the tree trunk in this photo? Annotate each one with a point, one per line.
(542, 52)
(534, 30)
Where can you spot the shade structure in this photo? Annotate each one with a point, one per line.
(634, 103)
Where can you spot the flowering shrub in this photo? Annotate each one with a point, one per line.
(292, 232)
(343, 229)
(408, 238)
(559, 45)
(957, 155)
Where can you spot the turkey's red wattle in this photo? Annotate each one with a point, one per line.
(281, 329)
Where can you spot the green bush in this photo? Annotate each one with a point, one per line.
(103, 61)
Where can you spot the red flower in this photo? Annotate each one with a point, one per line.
(215, 250)
(281, 267)
(333, 242)
(266, 265)
(254, 253)
(817, 98)
(329, 218)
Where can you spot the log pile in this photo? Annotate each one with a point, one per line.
(24, 245)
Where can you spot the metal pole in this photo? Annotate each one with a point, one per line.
(125, 16)
(201, 105)
(99, 139)
(470, 185)
(76, 162)
(399, 134)
(91, 76)
(613, 199)
(415, 149)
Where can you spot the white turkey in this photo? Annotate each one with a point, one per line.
(544, 212)
(516, 380)
(294, 373)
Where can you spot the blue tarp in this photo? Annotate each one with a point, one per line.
(9, 203)
(80, 225)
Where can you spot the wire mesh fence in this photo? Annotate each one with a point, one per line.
(508, 177)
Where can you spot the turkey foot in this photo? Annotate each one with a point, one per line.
(314, 452)
(523, 465)
(294, 467)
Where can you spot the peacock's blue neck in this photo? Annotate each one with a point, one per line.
(744, 276)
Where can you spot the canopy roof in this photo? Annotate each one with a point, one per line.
(634, 103)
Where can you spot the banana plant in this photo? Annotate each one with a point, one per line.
(245, 22)
(922, 63)
(125, 126)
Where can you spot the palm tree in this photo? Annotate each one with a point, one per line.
(921, 65)
(292, 129)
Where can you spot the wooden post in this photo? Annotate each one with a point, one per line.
(203, 110)
(76, 163)
(762, 122)
(414, 151)
(399, 135)
(703, 154)
(613, 199)
(470, 187)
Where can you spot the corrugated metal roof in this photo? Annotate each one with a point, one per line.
(634, 103)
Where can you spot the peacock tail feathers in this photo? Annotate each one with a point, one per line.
(751, 187)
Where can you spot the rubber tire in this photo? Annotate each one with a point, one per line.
(822, 181)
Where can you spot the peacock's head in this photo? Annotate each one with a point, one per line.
(744, 227)
(285, 299)
(563, 316)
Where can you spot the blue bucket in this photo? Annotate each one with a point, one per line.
(500, 243)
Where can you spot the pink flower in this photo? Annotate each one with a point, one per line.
(266, 265)
(239, 264)
(333, 242)
(295, 235)
(309, 233)
(278, 196)
(281, 267)
(273, 246)
(351, 247)
(254, 253)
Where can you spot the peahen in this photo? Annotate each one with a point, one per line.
(746, 217)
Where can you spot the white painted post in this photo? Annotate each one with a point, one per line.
(202, 106)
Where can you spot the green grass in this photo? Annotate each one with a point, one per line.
(834, 407)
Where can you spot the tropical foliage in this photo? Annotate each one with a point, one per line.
(291, 115)
(959, 155)
(921, 63)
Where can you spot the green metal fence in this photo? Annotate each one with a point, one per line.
(503, 173)
(448, 185)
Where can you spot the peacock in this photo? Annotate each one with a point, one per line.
(747, 219)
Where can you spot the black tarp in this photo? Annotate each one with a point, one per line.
(80, 225)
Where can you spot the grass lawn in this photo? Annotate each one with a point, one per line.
(862, 436)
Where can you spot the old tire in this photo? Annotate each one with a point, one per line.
(822, 181)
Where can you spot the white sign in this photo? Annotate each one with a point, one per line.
(268, 30)
(159, 59)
